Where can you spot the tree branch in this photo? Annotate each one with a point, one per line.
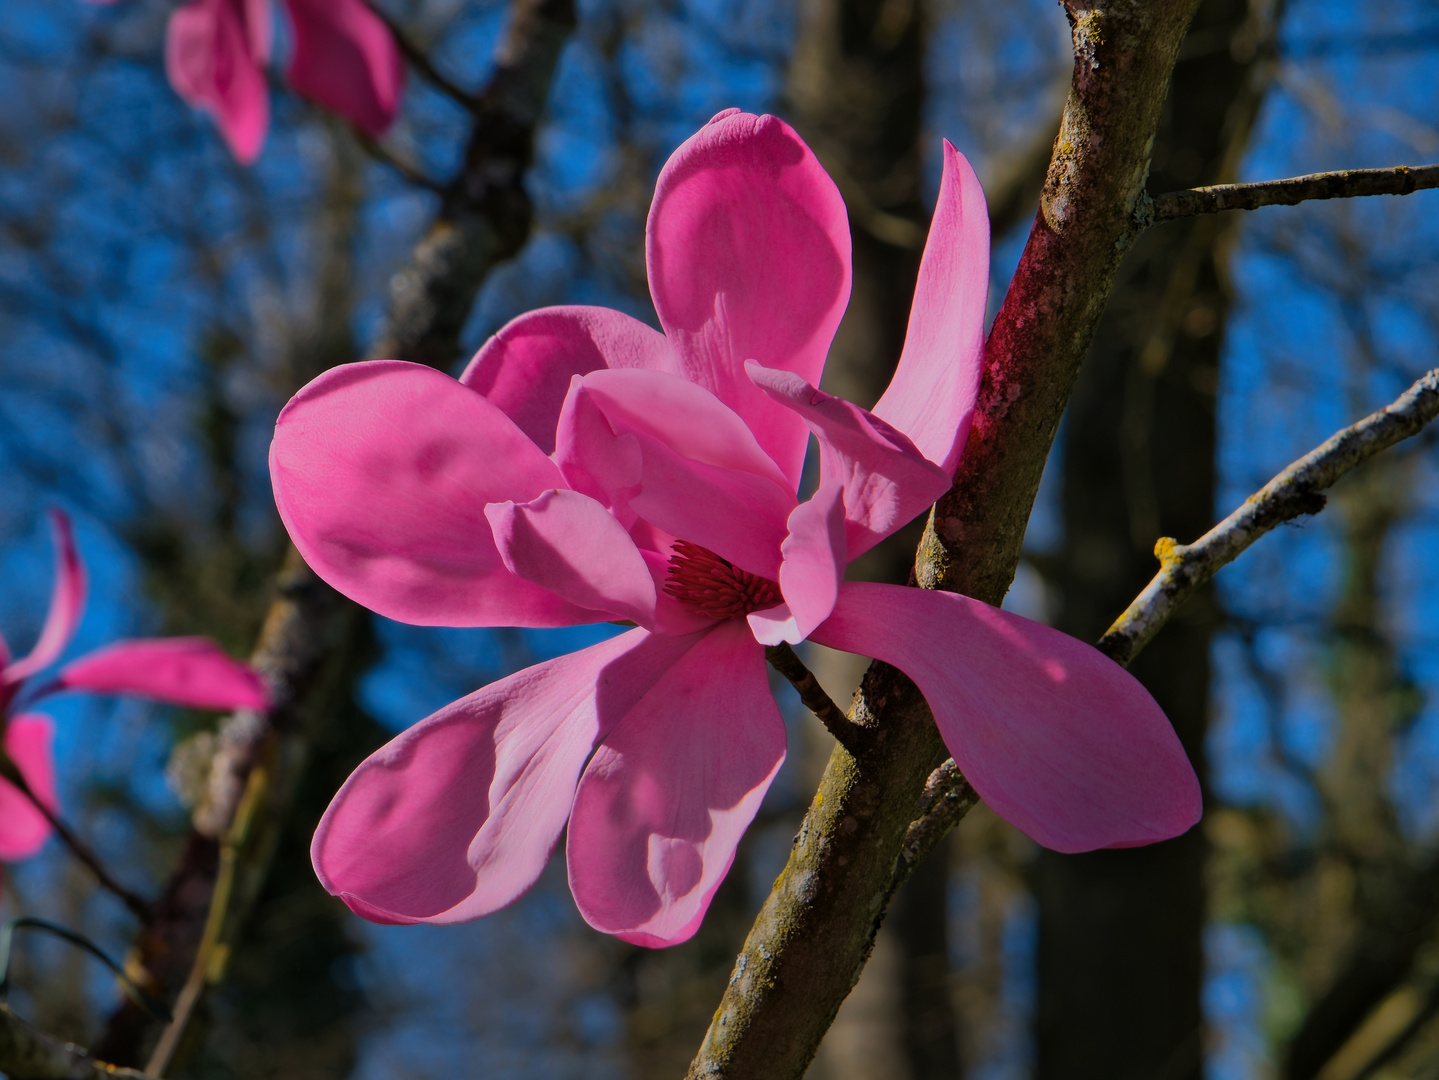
(27, 1053)
(784, 660)
(138, 905)
(817, 926)
(411, 173)
(1293, 493)
(302, 651)
(947, 798)
(1344, 184)
(1296, 491)
(420, 61)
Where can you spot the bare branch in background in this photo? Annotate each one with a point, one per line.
(29, 1054)
(420, 61)
(1296, 491)
(1293, 493)
(306, 640)
(1344, 184)
(139, 907)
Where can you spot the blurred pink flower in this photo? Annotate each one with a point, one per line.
(345, 59)
(185, 671)
(586, 467)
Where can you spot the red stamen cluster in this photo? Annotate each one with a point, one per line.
(713, 586)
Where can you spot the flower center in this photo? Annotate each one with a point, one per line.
(713, 586)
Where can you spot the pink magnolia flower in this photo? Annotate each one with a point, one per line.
(185, 671)
(587, 467)
(345, 59)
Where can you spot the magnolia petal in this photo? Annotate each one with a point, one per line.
(931, 397)
(213, 63)
(259, 29)
(456, 817)
(23, 829)
(568, 543)
(663, 449)
(67, 602)
(382, 471)
(887, 481)
(749, 259)
(184, 671)
(813, 567)
(1057, 738)
(667, 796)
(527, 367)
(346, 59)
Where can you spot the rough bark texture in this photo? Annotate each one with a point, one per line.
(484, 218)
(817, 926)
(1120, 959)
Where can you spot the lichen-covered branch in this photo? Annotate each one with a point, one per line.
(484, 217)
(26, 1053)
(817, 926)
(1296, 491)
(947, 797)
(1343, 184)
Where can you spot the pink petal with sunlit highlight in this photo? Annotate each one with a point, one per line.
(1057, 738)
(457, 817)
(382, 471)
(701, 474)
(669, 793)
(887, 481)
(67, 602)
(346, 59)
(809, 578)
(183, 671)
(526, 368)
(748, 251)
(931, 397)
(212, 63)
(23, 829)
(568, 543)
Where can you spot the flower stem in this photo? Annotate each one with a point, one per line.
(784, 660)
(138, 906)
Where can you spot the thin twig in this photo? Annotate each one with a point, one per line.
(420, 61)
(30, 1053)
(132, 989)
(384, 155)
(138, 905)
(784, 660)
(210, 953)
(1296, 491)
(1344, 184)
